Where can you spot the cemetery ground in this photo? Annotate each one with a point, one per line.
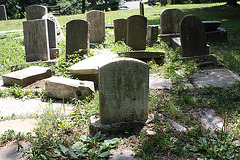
(59, 135)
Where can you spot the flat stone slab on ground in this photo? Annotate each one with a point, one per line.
(1, 84)
(9, 106)
(215, 77)
(90, 65)
(65, 88)
(10, 151)
(26, 76)
(210, 120)
(156, 82)
(18, 125)
(123, 155)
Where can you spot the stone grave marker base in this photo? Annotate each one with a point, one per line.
(201, 60)
(55, 53)
(121, 127)
(145, 56)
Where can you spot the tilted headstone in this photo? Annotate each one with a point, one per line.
(170, 19)
(65, 88)
(123, 91)
(35, 11)
(192, 37)
(141, 7)
(60, 35)
(77, 37)
(26, 76)
(3, 14)
(136, 32)
(97, 26)
(36, 40)
(120, 29)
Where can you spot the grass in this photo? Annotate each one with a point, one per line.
(66, 137)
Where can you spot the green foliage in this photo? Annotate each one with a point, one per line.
(92, 147)
(10, 135)
(69, 6)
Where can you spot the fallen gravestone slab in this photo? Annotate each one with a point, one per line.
(157, 56)
(215, 77)
(210, 120)
(26, 76)
(123, 155)
(65, 88)
(87, 69)
(156, 82)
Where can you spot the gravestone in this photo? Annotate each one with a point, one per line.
(136, 32)
(141, 6)
(192, 37)
(170, 19)
(52, 38)
(66, 88)
(152, 34)
(169, 22)
(97, 26)
(123, 91)
(60, 35)
(77, 37)
(3, 14)
(36, 40)
(120, 29)
(26, 76)
(35, 11)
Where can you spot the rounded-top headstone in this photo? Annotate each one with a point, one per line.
(3, 14)
(120, 29)
(77, 37)
(123, 91)
(170, 19)
(192, 36)
(136, 32)
(97, 26)
(35, 11)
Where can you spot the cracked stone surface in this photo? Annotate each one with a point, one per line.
(215, 77)
(156, 82)
(210, 120)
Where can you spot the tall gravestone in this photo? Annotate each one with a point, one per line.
(36, 40)
(3, 14)
(192, 37)
(35, 11)
(136, 32)
(77, 37)
(120, 29)
(97, 26)
(123, 91)
(170, 19)
(141, 7)
(152, 34)
(51, 17)
(52, 34)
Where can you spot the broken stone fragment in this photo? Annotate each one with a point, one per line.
(65, 88)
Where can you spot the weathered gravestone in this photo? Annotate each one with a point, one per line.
(120, 29)
(152, 34)
(52, 38)
(136, 32)
(65, 88)
(123, 93)
(36, 40)
(214, 32)
(60, 35)
(141, 7)
(192, 37)
(97, 26)
(169, 22)
(3, 14)
(35, 11)
(26, 76)
(77, 37)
